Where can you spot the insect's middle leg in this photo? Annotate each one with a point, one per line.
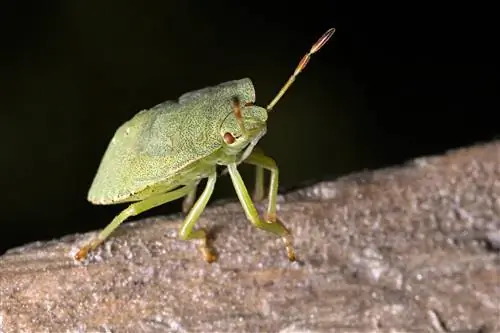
(132, 210)
(268, 225)
(188, 201)
(186, 231)
(258, 193)
(261, 162)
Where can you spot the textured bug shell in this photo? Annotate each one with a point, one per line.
(158, 144)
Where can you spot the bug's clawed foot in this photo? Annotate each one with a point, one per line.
(205, 248)
(82, 253)
(208, 254)
(272, 218)
(287, 239)
(84, 250)
(286, 236)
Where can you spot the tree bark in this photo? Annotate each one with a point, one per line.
(413, 248)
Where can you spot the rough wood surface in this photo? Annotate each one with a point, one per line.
(407, 249)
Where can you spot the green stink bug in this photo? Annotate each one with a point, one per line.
(162, 153)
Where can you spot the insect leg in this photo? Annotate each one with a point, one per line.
(132, 210)
(262, 161)
(188, 201)
(186, 231)
(272, 226)
(258, 193)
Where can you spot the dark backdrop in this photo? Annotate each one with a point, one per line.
(396, 81)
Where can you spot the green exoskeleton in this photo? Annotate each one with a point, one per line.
(162, 153)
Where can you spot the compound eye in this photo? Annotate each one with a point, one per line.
(229, 138)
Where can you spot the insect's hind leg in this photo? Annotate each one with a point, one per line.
(186, 231)
(132, 210)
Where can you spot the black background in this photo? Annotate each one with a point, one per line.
(396, 81)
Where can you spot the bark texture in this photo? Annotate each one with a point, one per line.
(407, 249)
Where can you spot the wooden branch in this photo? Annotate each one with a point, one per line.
(406, 249)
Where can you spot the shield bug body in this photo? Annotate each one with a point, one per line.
(162, 153)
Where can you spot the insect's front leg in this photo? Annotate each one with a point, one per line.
(270, 224)
(258, 192)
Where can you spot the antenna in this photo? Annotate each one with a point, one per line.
(300, 67)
